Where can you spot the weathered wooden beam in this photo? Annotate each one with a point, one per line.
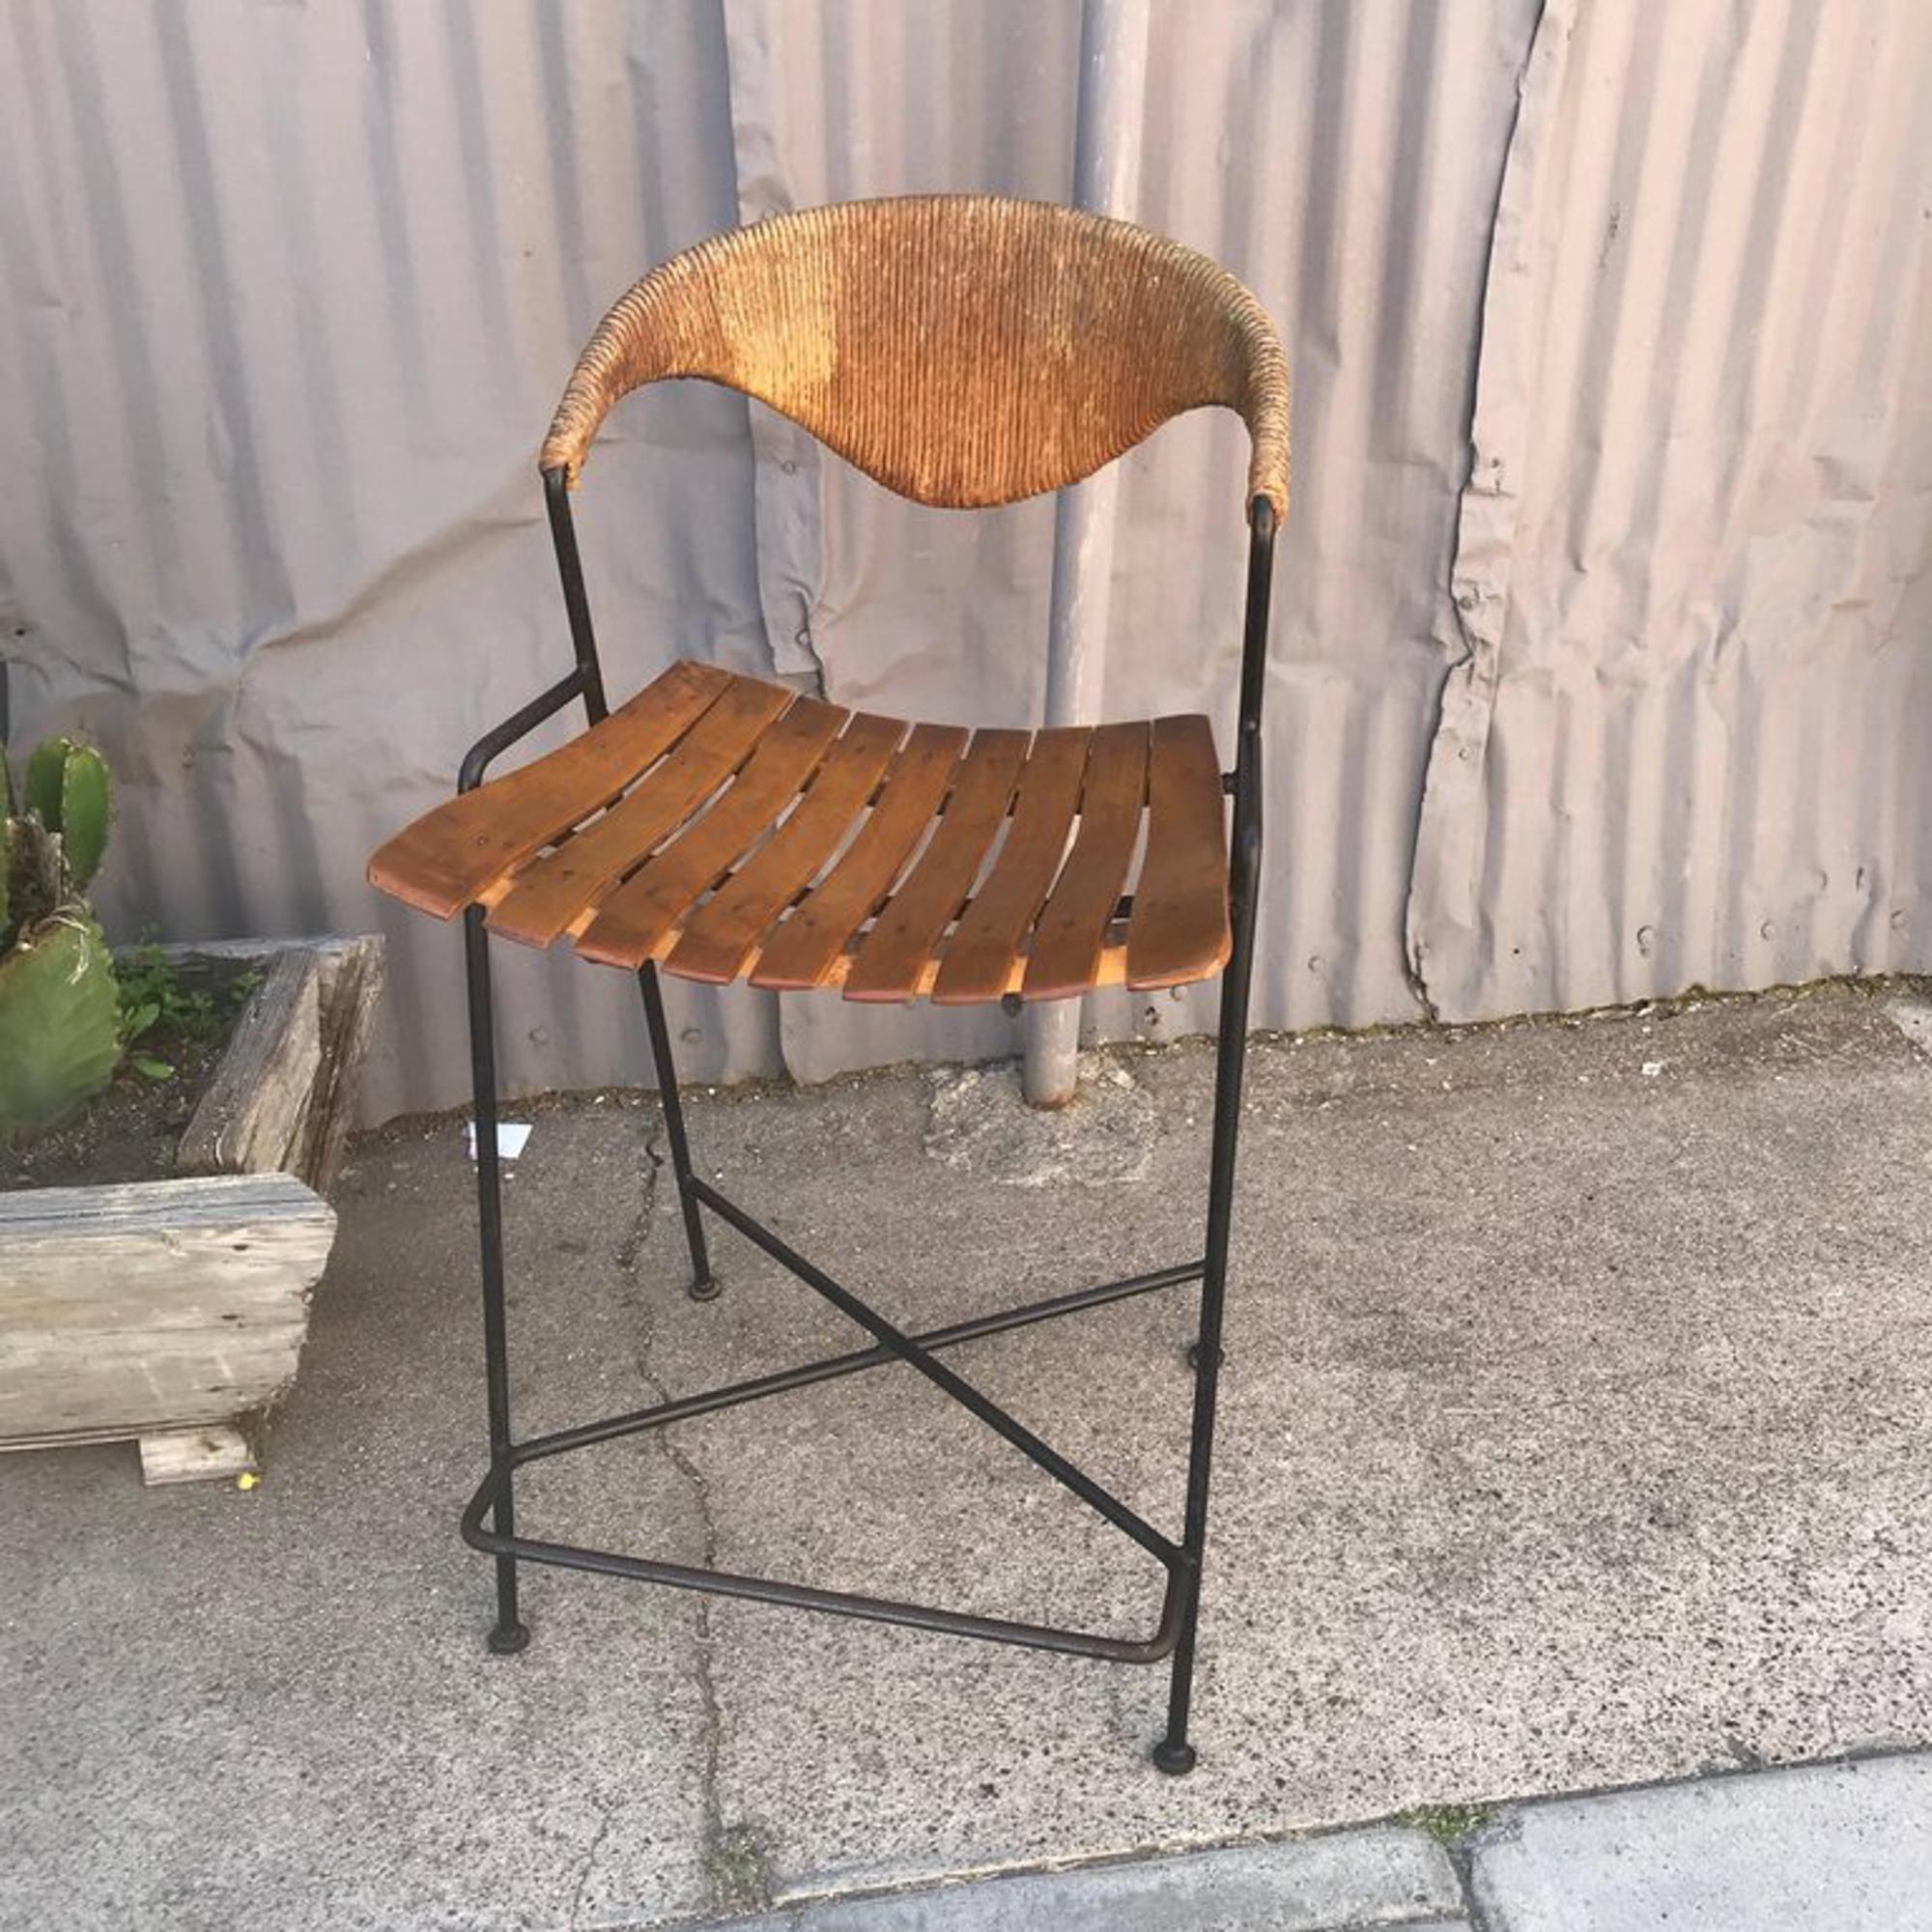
(155, 1305)
(349, 987)
(352, 988)
(254, 1112)
(164, 1311)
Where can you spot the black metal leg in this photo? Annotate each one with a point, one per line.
(509, 1635)
(1174, 1753)
(704, 1283)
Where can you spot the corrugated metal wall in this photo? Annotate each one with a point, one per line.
(1600, 657)
(1687, 741)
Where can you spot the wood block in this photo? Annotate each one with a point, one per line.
(195, 1455)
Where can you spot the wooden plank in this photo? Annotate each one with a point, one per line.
(547, 895)
(66, 1438)
(1111, 971)
(979, 960)
(208, 1453)
(445, 860)
(155, 1304)
(350, 969)
(1072, 930)
(896, 952)
(809, 946)
(350, 991)
(251, 1118)
(721, 937)
(633, 919)
(1179, 929)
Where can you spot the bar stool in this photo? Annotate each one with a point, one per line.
(964, 351)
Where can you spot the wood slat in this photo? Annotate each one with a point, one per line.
(980, 956)
(1072, 929)
(723, 934)
(893, 958)
(805, 950)
(448, 857)
(548, 895)
(1040, 924)
(633, 919)
(1111, 971)
(1179, 930)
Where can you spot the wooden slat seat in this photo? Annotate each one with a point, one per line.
(724, 827)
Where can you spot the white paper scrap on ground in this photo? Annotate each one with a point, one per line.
(510, 1138)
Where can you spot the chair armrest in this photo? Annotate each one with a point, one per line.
(519, 725)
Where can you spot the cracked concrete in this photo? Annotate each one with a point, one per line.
(1573, 1436)
(979, 1123)
(730, 1852)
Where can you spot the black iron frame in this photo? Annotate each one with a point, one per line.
(489, 1522)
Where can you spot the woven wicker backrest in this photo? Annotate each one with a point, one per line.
(963, 350)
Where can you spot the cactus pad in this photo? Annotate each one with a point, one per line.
(59, 1024)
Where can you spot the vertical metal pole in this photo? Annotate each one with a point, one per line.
(703, 1283)
(1174, 1753)
(583, 641)
(576, 600)
(509, 1635)
(1113, 39)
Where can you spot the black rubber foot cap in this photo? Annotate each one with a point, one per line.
(708, 1289)
(507, 1642)
(1177, 1760)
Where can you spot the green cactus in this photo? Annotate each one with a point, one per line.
(60, 1036)
(86, 806)
(60, 1033)
(69, 790)
(47, 769)
(35, 883)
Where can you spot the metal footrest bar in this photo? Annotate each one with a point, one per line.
(839, 1603)
(908, 1351)
(832, 1367)
(893, 1347)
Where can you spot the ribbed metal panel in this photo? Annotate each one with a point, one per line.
(1344, 161)
(1686, 742)
(1624, 689)
(289, 296)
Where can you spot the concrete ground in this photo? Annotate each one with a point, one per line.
(1575, 1436)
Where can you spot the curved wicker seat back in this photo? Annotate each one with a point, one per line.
(962, 350)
